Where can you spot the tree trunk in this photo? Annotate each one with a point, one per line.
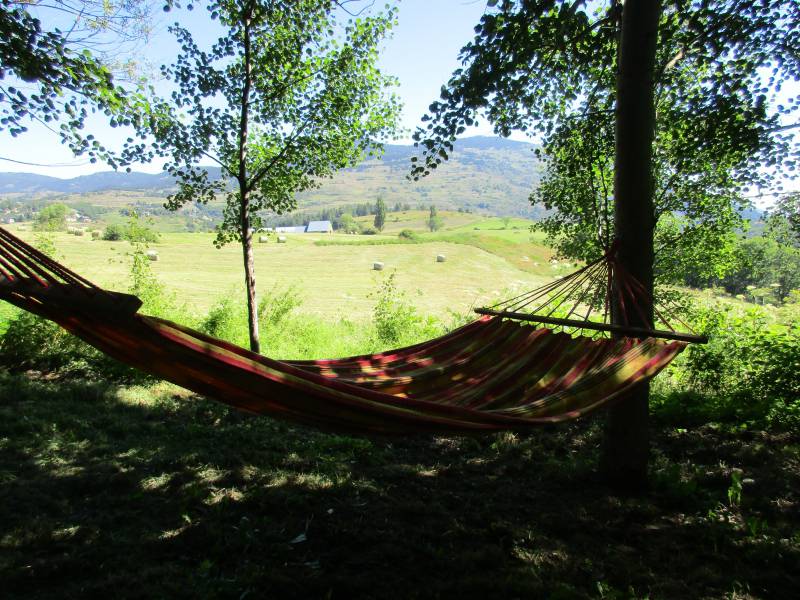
(244, 199)
(626, 448)
(249, 275)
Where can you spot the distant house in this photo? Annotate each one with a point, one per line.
(319, 227)
(294, 229)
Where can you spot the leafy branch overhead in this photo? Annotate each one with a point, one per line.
(316, 103)
(59, 78)
(286, 96)
(548, 67)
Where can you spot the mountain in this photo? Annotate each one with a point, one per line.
(486, 174)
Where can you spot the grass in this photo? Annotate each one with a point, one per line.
(334, 281)
(150, 492)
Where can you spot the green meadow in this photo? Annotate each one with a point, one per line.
(333, 274)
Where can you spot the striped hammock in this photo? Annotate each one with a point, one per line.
(492, 374)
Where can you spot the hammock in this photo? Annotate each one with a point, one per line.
(492, 374)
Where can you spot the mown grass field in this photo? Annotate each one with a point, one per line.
(333, 280)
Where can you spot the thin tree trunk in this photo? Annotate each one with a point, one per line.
(627, 441)
(244, 200)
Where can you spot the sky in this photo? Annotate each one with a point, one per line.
(422, 54)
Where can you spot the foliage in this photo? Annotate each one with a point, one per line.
(52, 217)
(55, 76)
(348, 224)
(764, 269)
(138, 232)
(550, 68)
(783, 220)
(434, 222)
(747, 373)
(114, 232)
(133, 231)
(279, 102)
(396, 321)
(380, 214)
(408, 234)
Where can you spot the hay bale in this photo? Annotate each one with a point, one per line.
(95, 235)
(281, 239)
(441, 258)
(79, 232)
(152, 255)
(377, 266)
(263, 239)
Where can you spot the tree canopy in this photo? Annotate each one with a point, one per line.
(548, 67)
(58, 77)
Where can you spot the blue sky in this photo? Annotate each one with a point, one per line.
(422, 54)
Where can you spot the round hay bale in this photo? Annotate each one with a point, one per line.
(79, 232)
(152, 255)
(441, 258)
(263, 239)
(95, 235)
(377, 266)
(281, 239)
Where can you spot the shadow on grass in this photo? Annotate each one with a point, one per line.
(148, 492)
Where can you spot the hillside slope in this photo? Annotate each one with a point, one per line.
(485, 174)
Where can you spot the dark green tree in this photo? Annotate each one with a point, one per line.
(646, 114)
(285, 97)
(766, 265)
(434, 221)
(380, 214)
(783, 220)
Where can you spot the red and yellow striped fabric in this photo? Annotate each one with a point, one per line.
(486, 376)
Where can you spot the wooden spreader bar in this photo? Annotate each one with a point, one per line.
(636, 332)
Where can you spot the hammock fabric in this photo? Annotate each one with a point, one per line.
(492, 374)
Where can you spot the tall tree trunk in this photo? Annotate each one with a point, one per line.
(626, 448)
(249, 274)
(244, 199)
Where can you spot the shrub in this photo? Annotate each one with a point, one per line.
(396, 321)
(276, 306)
(408, 234)
(369, 231)
(114, 233)
(227, 320)
(747, 373)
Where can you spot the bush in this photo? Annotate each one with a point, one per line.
(51, 218)
(396, 321)
(369, 231)
(747, 373)
(408, 234)
(133, 231)
(114, 233)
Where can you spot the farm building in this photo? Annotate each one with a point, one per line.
(319, 227)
